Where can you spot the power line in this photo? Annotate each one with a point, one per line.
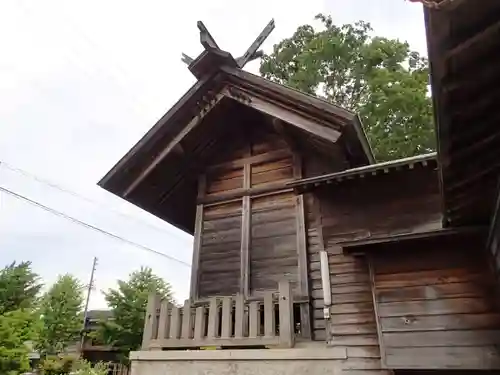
(89, 226)
(86, 309)
(88, 200)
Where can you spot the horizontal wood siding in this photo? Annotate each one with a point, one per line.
(219, 265)
(436, 306)
(355, 210)
(397, 202)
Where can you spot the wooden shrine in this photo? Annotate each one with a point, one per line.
(301, 239)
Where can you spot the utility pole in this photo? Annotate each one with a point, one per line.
(86, 309)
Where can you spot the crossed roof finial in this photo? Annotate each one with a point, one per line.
(251, 53)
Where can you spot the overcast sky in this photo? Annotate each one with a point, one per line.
(82, 81)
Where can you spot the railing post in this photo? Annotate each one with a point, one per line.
(187, 321)
(150, 320)
(175, 323)
(227, 317)
(287, 331)
(269, 318)
(163, 324)
(213, 319)
(254, 318)
(199, 324)
(239, 316)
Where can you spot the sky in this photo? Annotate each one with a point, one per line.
(82, 81)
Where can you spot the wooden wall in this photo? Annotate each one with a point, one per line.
(398, 202)
(494, 242)
(436, 305)
(251, 228)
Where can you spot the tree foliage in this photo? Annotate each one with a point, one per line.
(128, 304)
(381, 79)
(19, 287)
(17, 328)
(61, 312)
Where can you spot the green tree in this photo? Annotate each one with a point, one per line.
(19, 287)
(128, 304)
(61, 315)
(17, 328)
(381, 79)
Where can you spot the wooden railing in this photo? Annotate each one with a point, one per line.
(228, 322)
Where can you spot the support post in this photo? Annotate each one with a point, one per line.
(287, 332)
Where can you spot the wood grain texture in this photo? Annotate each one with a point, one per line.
(443, 309)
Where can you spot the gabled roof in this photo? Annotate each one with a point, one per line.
(220, 86)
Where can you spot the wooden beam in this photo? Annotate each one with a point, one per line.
(353, 247)
(250, 52)
(246, 228)
(186, 59)
(206, 40)
(270, 189)
(168, 148)
(280, 128)
(198, 230)
(476, 39)
(373, 286)
(257, 159)
(287, 115)
(305, 317)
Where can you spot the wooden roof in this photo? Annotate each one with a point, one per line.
(464, 53)
(369, 244)
(426, 160)
(154, 172)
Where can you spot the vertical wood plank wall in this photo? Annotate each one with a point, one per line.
(437, 306)
(234, 259)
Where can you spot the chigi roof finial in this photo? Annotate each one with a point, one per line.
(252, 53)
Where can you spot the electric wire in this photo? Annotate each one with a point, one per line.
(89, 226)
(55, 186)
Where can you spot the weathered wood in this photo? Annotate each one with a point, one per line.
(254, 318)
(150, 321)
(381, 340)
(199, 325)
(434, 277)
(175, 323)
(251, 160)
(164, 321)
(413, 323)
(442, 338)
(227, 317)
(239, 316)
(284, 115)
(245, 246)
(428, 292)
(268, 189)
(213, 319)
(438, 358)
(435, 307)
(217, 342)
(202, 185)
(198, 230)
(286, 315)
(173, 143)
(269, 319)
(302, 257)
(187, 320)
(354, 340)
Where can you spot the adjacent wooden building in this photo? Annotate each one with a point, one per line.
(300, 238)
